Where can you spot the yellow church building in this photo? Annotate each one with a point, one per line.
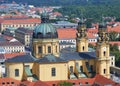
(48, 64)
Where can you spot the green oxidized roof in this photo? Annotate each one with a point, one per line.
(45, 29)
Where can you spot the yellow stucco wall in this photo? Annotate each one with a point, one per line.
(11, 70)
(83, 42)
(44, 44)
(61, 72)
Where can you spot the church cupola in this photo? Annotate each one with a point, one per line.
(45, 38)
(81, 40)
(45, 29)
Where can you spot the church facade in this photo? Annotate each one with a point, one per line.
(48, 64)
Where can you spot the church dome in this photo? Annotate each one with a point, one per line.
(45, 29)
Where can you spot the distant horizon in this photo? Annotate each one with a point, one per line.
(63, 3)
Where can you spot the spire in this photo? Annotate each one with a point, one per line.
(102, 32)
(44, 17)
(81, 28)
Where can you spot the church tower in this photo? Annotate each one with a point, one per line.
(45, 39)
(81, 40)
(102, 52)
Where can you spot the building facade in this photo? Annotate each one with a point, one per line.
(24, 35)
(19, 22)
(47, 64)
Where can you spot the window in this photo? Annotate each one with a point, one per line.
(3, 83)
(39, 49)
(8, 82)
(16, 72)
(104, 53)
(53, 85)
(83, 48)
(104, 71)
(81, 68)
(86, 82)
(53, 72)
(49, 49)
(71, 69)
(91, 67)
(73, 83)
(56, 49)
(12, 82)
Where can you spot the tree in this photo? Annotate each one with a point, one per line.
(113, 36)
(65, 84)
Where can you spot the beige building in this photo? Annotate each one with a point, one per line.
(19, 22)
(24, 35)
(48, 64)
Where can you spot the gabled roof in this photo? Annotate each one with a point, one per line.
(22, 59)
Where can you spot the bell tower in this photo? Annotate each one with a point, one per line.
(81, 40)
(45, 39)
(102, 52)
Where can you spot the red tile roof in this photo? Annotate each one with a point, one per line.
(20, 21)
(90, 81)
(9, 82)
(7, 43)
(11, 55)
(57, 14)
(95, 31)
(115, 43)
(66, 33)
(90, 35)
(114, 28)
(101, 80)
(37, 83)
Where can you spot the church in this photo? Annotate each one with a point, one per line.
(47, 63)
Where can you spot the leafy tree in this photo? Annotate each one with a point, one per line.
(113, 36)
(115, 51)
(65, 84)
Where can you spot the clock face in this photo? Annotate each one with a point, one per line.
(104, 48)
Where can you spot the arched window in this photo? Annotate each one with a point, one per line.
(104, 53)
(53, 72)
(49, 49)
(83, 48)
(71, 69)
(16, 72)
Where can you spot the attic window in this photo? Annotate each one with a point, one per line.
(8, 82)
(12, 82)
(3, 83)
